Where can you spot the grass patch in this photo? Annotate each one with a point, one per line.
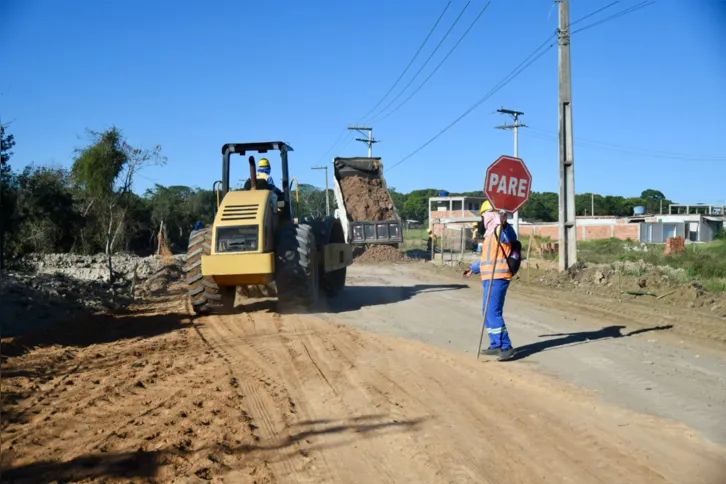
(703, 262)
(414, 239)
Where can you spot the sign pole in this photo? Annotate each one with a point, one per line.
(489, 295)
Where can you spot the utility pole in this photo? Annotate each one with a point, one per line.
(327, 195)
(514, 127)
(567, 215)
(369, 140)
(592, 204)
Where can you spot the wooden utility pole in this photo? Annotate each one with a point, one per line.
(567, 215)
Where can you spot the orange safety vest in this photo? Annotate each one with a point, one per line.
(494, 257)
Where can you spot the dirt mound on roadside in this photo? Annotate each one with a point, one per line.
(379, 254)
(367, 199)
(628, 280)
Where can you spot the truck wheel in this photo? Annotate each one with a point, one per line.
(205, 295)
(334, 281)
(296, 267)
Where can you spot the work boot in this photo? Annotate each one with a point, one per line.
(490, 352)
(507, 354)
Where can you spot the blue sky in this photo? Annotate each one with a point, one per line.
(191, 77)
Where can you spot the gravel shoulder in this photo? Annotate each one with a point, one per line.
(663, 363)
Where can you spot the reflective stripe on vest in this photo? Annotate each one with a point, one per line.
(494, 258)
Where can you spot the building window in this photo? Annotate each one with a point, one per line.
(692, 231)
(669, 231)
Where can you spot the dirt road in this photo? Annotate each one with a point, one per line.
(260, 397)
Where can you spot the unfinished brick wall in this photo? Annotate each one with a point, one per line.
(453, 213)
(585, 232)
(674, 245)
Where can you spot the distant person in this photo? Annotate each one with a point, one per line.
(474, 236)
(431, 241)
(500, 243)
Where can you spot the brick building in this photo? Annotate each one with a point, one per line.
(695, 222)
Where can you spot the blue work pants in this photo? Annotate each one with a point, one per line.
(496, 329)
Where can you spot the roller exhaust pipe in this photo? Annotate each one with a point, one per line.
(253, 173)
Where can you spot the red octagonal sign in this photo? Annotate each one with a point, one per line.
(508, 183)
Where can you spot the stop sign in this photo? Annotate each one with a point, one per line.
(508, 183)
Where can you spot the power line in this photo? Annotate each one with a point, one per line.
(616, 15)
(335, 143)
(543, 134)
(462, 38)
(345, 130)
(531, 59)
(409, 64)
(437, 67)
(594, 13)
(534, 56)
(427, 60)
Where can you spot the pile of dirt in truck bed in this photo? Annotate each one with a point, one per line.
(379, 254)
(367, 199)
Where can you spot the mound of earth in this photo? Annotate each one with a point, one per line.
(60, 290)
(377, 254)
(367, 199)
(94, 267)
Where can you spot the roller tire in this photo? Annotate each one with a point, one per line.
(333, 282)
(296, 267)
(205, 295)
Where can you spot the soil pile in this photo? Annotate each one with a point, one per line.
(33, 300)
(628, 280)
(93, 267)
(366, 199)
(380, 254)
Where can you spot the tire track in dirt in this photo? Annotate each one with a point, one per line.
(301, 357)
(427, 459)
(264, 396)
(348, 388)
(301, 370)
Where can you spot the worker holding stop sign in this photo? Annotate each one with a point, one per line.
(507, 185)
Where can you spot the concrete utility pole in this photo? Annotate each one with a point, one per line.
(568, 221)
(514, 127)
(592, 203)
(369, 141)
(327, 195)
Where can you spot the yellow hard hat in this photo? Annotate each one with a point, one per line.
(475, 224)
(485, 207)
(264, 163)
(428, 231)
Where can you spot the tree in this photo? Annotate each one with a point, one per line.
(654, 200)
(179, 207)
(416, 206)
(106, 170)
(45, 218)
(6, 193)
(312, 201)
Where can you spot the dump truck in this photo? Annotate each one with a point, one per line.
(257, 248)
(365, 206)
